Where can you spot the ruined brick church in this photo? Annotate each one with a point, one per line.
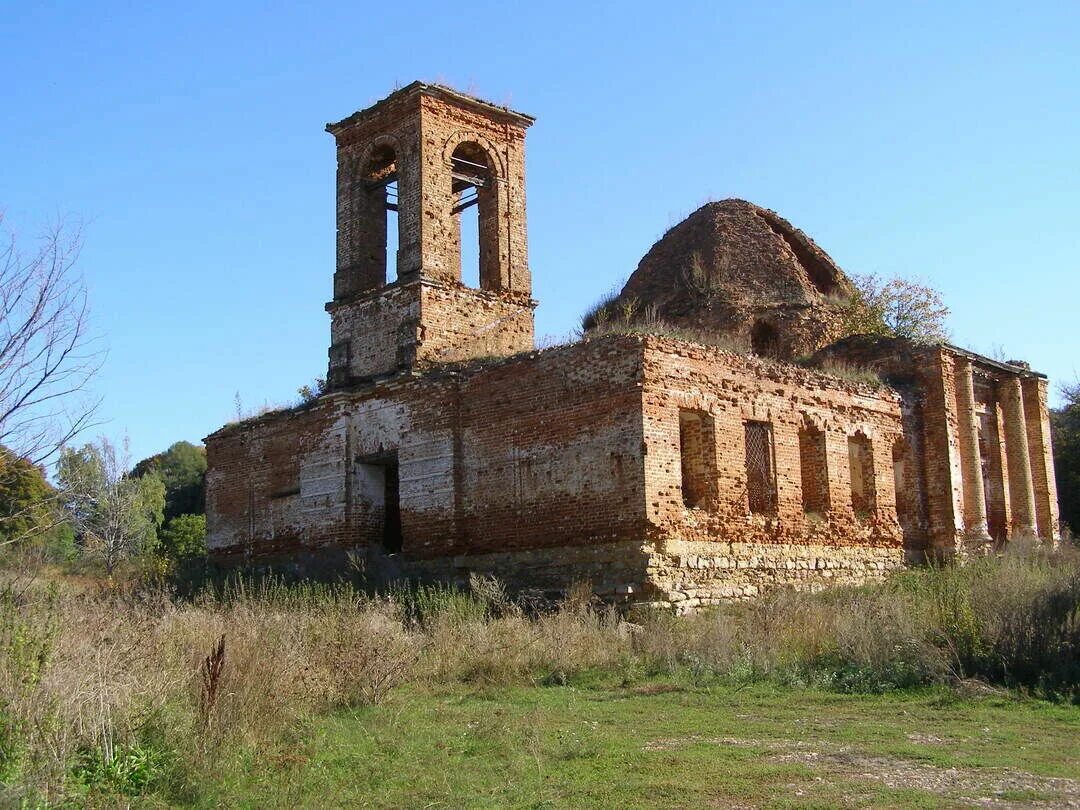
(656, 468)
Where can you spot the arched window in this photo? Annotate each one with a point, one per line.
(380, 181)
(476, 220)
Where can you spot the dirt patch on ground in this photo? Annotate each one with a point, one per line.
(976, 787)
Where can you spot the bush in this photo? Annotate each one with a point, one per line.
(129, 770)
(895, 307)
(1013, 620)
(600, 313)
(184, 537)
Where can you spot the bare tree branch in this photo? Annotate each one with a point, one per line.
(47, 351)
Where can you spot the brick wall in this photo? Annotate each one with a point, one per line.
(574, 447)
(734, 390)
(458, 323)
(722, 550)
(421, 324)
(1010, 419)
(267, 484)
(375, 335)
(533, 452)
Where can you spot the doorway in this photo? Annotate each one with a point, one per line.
(379, 490)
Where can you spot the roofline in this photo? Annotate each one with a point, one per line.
(438, 90)
(644, 341)
(987, 361)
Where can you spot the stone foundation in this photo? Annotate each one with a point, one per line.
(690, 575)
(684, 576)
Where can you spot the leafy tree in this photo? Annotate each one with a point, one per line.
(312, 391)
(26, 499)
(1065, 430)
(184, 537)
(115, 515)
(182, 469)
(29, 512)
(896, 307)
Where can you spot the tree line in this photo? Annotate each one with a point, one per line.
(100, 510)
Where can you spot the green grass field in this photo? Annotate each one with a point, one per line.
(660, 744)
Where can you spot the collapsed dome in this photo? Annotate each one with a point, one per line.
(734, 270)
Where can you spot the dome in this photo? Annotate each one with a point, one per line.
(736, 270)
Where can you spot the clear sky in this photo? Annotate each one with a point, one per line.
(937, 140)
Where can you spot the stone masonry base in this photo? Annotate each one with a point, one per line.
(682, 575)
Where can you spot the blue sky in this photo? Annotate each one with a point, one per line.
(936, 140)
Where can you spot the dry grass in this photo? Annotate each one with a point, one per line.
(851, 372)
(127, 692)
(631, 318)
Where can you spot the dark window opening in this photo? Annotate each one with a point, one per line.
(861, 464)
(697, 453)
(763, 339)
(760, 469)
(392, 508)
(814, 469)
(993, 474)
(473, 204)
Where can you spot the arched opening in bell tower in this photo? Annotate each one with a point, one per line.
(475, 215)
(380, 180)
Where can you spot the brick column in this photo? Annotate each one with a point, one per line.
(975, 524)
(941, 452)
(1021, 487)
(1042, 457)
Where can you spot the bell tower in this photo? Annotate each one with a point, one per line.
(409, 168)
